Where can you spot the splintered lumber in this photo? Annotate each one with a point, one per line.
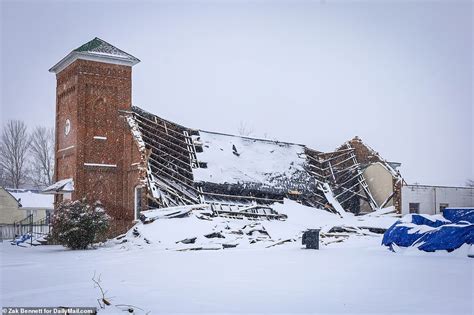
(204, 216)
(198, 248)
(178, 212)
(251, 214)
(336, 235)
(346, 230)
(191, 240)
(263, 232)
(214, 235)
(375, 230)
(335, 240)
(282, 242)
(229, 245)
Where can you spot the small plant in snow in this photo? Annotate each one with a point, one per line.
(105, 301)
(76, 224)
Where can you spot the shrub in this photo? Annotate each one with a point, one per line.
(77, 224)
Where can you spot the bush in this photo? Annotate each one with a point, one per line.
(76, 224)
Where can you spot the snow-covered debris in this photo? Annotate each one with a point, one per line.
(196, 228)
(62, 186)
(326, 189)
(383, 212)
(171, 212)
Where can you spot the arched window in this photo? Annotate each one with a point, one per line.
(138, 201)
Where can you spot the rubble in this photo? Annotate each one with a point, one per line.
(191, 233)
(168, 213)
(191, 240)
(214, 235)
(229, 245)
(282, 242)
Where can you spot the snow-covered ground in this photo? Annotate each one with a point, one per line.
(357, 275)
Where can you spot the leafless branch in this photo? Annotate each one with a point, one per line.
(244, 129)
(102, 301)
(42, 155)
(14, 144)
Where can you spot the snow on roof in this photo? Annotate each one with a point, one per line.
(101, 47)
(64, 185)
(233, 160)
(29, 199)
(96, 50)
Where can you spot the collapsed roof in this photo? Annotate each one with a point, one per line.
(191, 166)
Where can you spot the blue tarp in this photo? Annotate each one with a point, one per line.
(21, 239)
(431, 233)
(399, 235)
(459, 214)
(419, 219)
(448, 237)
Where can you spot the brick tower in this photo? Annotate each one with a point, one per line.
(93, 143)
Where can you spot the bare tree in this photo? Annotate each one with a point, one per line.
(42, 156)
(14, 144)
(244, 129)
(470, 183)
(3, 179)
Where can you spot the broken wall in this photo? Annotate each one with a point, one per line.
(381, 186)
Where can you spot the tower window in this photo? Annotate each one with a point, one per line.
(138, 201)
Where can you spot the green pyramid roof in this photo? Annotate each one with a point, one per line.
(96, 50)
(91, 45)
(100, 46)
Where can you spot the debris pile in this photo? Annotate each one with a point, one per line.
(197, 227)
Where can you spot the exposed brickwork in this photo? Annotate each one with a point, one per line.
(365, 156)
(99, 152)
(397, 197)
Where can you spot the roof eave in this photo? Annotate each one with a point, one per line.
(74, 55)
(19, 205)
(38, 208)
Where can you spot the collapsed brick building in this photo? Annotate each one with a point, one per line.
(132, 160)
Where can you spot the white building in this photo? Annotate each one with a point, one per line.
(434, 199)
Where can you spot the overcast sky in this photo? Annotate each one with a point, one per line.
(396, 74)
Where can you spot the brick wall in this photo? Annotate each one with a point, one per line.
(98, 152)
